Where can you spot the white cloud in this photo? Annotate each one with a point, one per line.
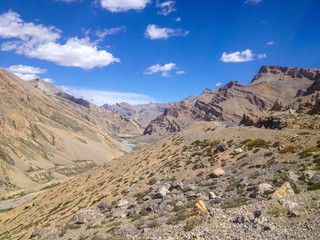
(38, 41)
(26, 72)
(244, 56)
(180, 72)
(67, 1)
(166, 7)
(262, 55)
(49, 80)
(109, 31)
(109, 97)
(165, 69)
(178, 19)
(218, 84)
(253, 1)
(154, 32)
(124, 5)
(270, 43)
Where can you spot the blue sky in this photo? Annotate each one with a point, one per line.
(139, 51)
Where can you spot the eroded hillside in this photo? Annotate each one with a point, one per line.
(252, 183)
(42, 138)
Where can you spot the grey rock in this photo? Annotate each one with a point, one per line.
(176, 185)
(161, 192)
(190, 194)
(308, 175)
(293, 213)
(146, 198)
(221, 147)
(315, 178)
(85, 216)
(212, 195)
(263, 187)
(287, 203)
(104, 205)
(244, 182)
(290, 176)
(122, 203)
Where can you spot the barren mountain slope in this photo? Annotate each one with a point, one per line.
(41, 139)
(150, 193)
(143, 113)
(114, 123)
(231, 101)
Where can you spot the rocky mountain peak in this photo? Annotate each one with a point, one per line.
(291, 72)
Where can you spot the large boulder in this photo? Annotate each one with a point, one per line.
(199, 212)
(284, 191)
(221, 147)
(218, 172)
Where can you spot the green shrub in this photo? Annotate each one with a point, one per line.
(269, 154)
(290, 149)
(314, 186)
(314, 149)
(305, 154)
(257, 143)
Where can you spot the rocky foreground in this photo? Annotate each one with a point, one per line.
(207, 182)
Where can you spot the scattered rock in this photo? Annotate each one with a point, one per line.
(122, 203)
(221, 147)
(238, 150)
(218, 172)
(85, 216)
(104, 205)
(315, 178)
(176, 185)
(212, 195)
(291, 177)
(293, 213)
(284, 191)
(287, 203)
(308, 175)
(161, 192)
(263, 187)
(257, 213)
(199, 212)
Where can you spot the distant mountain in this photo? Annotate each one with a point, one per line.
(44, 137)
(231, 101)
(114, 123)
(143, 113)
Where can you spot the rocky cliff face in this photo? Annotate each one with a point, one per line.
(273, 86)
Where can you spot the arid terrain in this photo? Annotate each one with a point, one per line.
(196, 173)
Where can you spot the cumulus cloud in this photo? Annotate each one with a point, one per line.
(38, 41)
(253, 1)
(124, 5)
(244, 56)
(166, 7)
(270, 43)
(154, 32)
(180, 72)
(178, 19)
(101, 97)
(218, 84)
(262, 55)
(110, 31)
(165, 69)
(26, 72)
